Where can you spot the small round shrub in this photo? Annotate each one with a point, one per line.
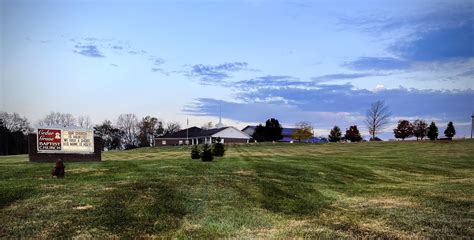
(218, 149)
(195, 154)
(206, 153)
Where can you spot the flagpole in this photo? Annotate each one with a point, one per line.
(187, 128)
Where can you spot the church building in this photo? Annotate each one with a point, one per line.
(195, 135)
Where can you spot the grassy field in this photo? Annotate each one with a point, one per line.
(387, 190)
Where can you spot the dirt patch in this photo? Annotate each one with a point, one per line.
(245, 173)
(87, 170)
(381, 229)
(461, 180)
(297, 223)
(389, 203)
(192, 227)
(274, 232)
(84, 207)
(53, 186)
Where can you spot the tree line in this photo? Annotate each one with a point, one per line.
(14, 131)
(378, 117)
(127, 132)
(420, 129)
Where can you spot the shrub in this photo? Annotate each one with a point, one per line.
(376, 139)
(195, 154)
(206, 153)
(218, 149)
(129, 146)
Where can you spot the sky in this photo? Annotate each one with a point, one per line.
(322, 62)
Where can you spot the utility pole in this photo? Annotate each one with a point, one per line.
(187, 130)
(472, 124)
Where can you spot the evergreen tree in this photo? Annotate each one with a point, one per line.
(195, 154)
(403, 130)
(218, 149)
(450, 131)
(335, 135)
(432, 131)
(353, 134)
(206, 153)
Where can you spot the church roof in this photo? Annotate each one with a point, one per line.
(194, 132)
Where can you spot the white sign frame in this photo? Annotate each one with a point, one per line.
(70, 149)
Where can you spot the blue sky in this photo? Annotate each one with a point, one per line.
(318, 61)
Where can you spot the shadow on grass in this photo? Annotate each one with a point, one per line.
(288, 190)
(292, 190)
(291, 198)
(9, 195)
(142, 208)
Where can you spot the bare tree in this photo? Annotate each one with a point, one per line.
(14, 122)
(58, 119)
(172, 127)
(128, 124)
(208, 125)
(377, 117)
(84, 122)
(420, 129)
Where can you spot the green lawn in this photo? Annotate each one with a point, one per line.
(387, 189)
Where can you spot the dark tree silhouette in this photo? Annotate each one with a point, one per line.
(335, 135)
(353, 134)
(420, 129)
(259, 133)
(147, 128)
(450, 131)
(273, 130)
(403, 130)
(14, 131)
(172, 127)
(433, 131)
(111, 136)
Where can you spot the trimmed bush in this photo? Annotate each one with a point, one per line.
(376, 139)
(206, 153)
(218, 149)
(195, 154)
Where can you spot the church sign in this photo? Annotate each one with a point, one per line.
(49, 140)
(56, 140)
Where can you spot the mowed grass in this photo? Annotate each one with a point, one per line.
(387, 190)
